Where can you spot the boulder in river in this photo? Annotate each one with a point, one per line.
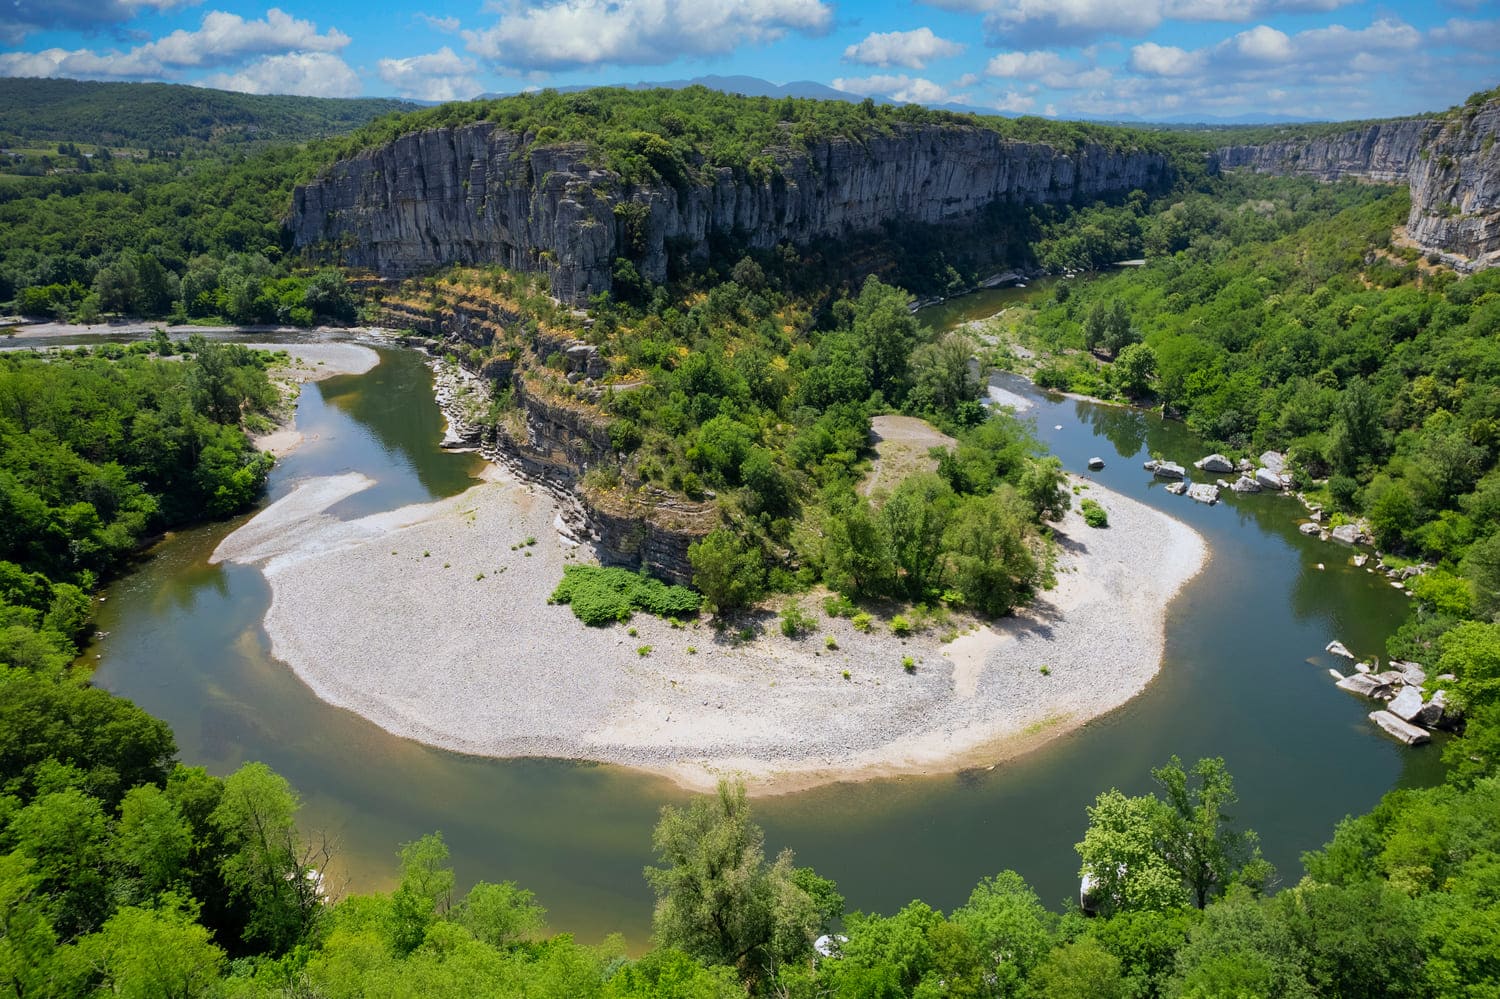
(1150, 464)
(1338, 648)
(1432, 713)
(1360, 560)
(1411, 673)
(1274, 460)
(1268, 479)
(1203, 492)
(1245, 484)
(1177, 488)
(1359, 683)
(1096, 463)
(1349, 534)
(1402, 731)
(1407, 704)
(1214, 463)
(1169, 470)
(1309, 528)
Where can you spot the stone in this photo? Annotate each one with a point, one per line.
(1434, 712)
(1359, 683)
(1169, 470)
(1411, 673)
(1203, 493)
(1245, 484)
(1150, 464)
(1096, 463)
(1407, 704)
(1213, 463)
(1177, 488)
(1319, 567)
(1244, 465)
(1339, 649)
(1309, 528)
(1360, 560)
(1274, 460)
(1335, 674)
(1268, 478)
(1349, 534)
(1363, 667)
(1402, 731)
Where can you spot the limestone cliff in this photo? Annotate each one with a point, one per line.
(1450, 162)
(480, 194)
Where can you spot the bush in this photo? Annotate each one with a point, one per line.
(862, 622)
(795, 622)
(1094, 515)
(900, 626)
(601, 595)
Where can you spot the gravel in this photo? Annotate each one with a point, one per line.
(432, 621)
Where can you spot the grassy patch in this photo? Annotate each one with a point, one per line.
(601, 595)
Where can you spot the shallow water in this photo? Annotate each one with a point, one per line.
(184, 641)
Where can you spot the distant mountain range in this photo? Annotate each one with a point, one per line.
(752, 86)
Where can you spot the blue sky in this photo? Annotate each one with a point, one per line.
(1331, 59)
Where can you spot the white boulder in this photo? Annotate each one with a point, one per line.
(1214, 463)
(1407, 704)
(1400, 730)
(1169, 470)
(1268, 479)
(1203, 492)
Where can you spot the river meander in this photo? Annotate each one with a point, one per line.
(1244, 678)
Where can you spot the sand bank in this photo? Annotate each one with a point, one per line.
(432, 621)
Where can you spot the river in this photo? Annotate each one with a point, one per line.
(1244, 678)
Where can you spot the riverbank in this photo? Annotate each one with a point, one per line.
(478, 662)
(306, 362)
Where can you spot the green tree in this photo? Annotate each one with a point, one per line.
(152, 841)
(425, 893)
(1134, 368)
(993, 562)
(155, 953)
(727, 571)
(886, 331)
(1080, 968)
(501, 915)
(916, 517)
(717, 898)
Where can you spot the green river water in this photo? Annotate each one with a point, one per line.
(1244, 678)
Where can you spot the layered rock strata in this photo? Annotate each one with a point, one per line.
(479, 194)
(1451, 163)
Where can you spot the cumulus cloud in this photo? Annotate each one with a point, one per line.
(1015, 103)
(1163, 60)
(912, 49)
(291, 54)
(307, 74)
(576, 33)
(224, 38)
(1481, 35)
(907, 89)
(19, 18)
(437, 76)
(447, 25)
(1046, 68)
(1075, 22)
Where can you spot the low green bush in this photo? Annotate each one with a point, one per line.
(1094, 515)
(795, 622)
(600, 595)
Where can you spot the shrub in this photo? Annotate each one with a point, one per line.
(643, 651)
(862, 622)
(900, 626)
(601, 595)
(909, 664)
(795, 622)
(830, 643)
(1094, 515)
(837, 605)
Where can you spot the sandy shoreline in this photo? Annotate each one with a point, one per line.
(476, 660)
(309, 362)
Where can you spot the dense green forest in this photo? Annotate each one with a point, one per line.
(170, 117)
(1273, 313)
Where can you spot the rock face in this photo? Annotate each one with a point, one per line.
(480, 194)
(1450, 162)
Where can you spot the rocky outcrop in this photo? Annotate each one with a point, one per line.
(1451, 162)
(480, 194)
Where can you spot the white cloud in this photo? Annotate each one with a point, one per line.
(1073, 22)
(436, 76)
(574, 33)
(912, 49)
(907, 89)
(19, 18)
(1047, 68)
(1482, 35)
(224, 38)
(78, 64)
(307, 74)
(448, 25)
(1163, 60)
(1015, 103)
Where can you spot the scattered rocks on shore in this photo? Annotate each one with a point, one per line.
(1407, 715)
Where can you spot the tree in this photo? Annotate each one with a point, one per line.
(156, 953)
(271, 873)
(728, 572)
(886, 330)
(1134, 368)
(717, 898)
(940, 375)
(501, 915)
(425, 893)
(857, 555)
(915, 518)
(1143, 853)
(993, 564)
(1080, 968)
(152, 841)
(1009, 926)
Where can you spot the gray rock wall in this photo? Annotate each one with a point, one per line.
(479, 194)
(1451, 163)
